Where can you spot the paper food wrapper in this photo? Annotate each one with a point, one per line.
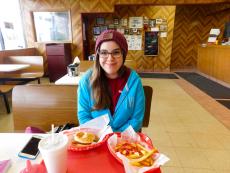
(99, 126)
(131, 136)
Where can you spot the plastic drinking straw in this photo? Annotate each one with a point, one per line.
(52, 133)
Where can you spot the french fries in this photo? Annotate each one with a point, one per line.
(136, 153)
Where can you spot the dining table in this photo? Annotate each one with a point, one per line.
(12, 67)
(69, 80)
(95, 160)
(9, 73)
(10, 146)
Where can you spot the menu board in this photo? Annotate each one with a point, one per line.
(151, 43)
(134, 42)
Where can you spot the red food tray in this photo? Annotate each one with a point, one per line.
(87, 147)
(96, 160)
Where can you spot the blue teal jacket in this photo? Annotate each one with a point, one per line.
(129, 110)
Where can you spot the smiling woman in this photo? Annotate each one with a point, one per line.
(110, 87)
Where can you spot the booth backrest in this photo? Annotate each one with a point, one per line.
(148, 101)
(36, 62)
(85, 65)
(43, 105)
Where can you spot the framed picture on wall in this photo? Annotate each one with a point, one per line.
(126, 31)
(130, 31)
(116, 21)
(135, 22)
(152, 23)
(103, 28)
(124, 22)
(164, 21)
(158, 21)
(96, 30)
(134, 30)
(52, 26)
(163, 28)
(145, 21)
(100, 20)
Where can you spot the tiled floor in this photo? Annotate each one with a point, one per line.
(188, 126)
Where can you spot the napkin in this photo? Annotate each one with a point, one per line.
(131, 136)
(4, 165)
(99, 122)
(34, 168)
(76, 60)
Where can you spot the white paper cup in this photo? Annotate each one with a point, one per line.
(54, 153)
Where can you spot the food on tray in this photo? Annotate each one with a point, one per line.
(136, 153)
(84, 138)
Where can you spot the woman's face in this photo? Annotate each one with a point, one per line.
(110, 58)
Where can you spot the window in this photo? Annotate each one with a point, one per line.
(11, 32)
(52, 26)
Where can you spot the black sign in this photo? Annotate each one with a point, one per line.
(151, 43)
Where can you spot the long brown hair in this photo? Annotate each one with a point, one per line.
(100, 90)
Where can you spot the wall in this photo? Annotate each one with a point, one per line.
(161, 63)
(144, 63)
(192, 27)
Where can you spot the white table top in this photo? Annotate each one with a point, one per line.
(12, 67)
(10, 145)
(68, 80)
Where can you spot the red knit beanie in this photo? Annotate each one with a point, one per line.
(112, 35)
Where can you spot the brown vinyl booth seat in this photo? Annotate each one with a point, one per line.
(34, 72)
(148, 101)
(42, 105)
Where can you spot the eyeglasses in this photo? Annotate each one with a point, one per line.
(115, 53)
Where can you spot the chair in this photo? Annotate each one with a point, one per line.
(42, 105)
(4, 90)
(148, 100)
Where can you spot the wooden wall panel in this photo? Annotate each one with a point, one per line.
(162, 62)
(144, 63)
(192, 27)
(170, 2)
(151, 63)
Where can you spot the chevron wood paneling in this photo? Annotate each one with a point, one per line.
(160, 63)
(192, 27)
(144, 63)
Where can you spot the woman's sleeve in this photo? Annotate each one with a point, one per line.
(84, 100)
(138, 109)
